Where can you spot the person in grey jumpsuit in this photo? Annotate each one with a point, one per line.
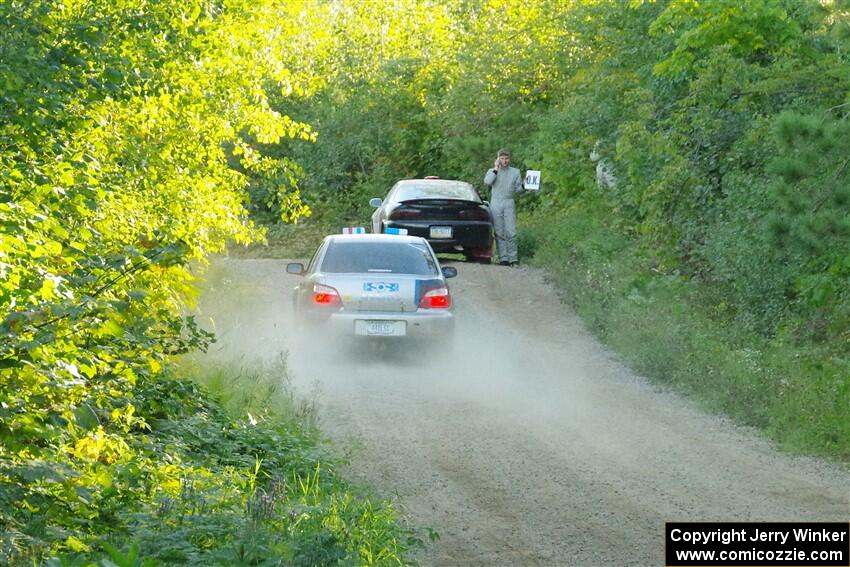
(504, 181)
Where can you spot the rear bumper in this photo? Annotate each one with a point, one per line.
(422, 324)
(465, 234)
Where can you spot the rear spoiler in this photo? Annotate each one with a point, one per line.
(440, 201)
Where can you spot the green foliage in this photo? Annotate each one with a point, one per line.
(810, 220)
(192, 484)
(114, 178)
(129, 132)
(757, 30)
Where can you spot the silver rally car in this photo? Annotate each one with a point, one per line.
(375, 285)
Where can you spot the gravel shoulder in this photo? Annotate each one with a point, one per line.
(528, 444)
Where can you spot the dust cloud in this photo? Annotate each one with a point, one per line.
(525, 442)
(248, 305)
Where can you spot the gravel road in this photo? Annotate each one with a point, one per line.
(529, 444)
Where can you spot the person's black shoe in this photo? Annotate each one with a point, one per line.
(504, 263)
(514, 264)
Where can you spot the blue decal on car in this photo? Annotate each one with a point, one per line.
(381, 287)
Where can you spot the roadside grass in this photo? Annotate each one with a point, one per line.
(226, 469)
(286, 241)
(676, 333)
(261, 388)
(338, 525)
(301, 239)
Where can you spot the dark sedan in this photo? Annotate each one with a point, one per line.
(449, 214)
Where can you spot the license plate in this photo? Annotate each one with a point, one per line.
(380, 328)
(441, 232)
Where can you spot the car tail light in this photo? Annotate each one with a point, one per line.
(478, 213)
(325, 295)
(403, 213)
(438, 298)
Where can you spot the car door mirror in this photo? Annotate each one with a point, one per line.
(375, 202)
(296, 268)
(449, 271)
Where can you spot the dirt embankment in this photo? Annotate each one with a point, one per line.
(529, 444)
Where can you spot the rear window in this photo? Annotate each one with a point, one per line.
(379, 257)
(410, 190)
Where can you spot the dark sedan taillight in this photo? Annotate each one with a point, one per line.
(478, 213)
(404, 213)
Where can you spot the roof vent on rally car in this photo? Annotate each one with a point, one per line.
(431, 177)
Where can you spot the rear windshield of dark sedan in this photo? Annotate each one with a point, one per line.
(378, 257)
(411, 190)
